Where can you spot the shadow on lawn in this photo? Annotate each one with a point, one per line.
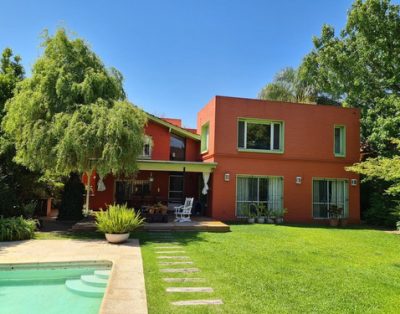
(349, 227)
(181, 237)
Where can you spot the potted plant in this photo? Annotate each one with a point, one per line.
(117, 222)
(261, 213)
(334, 215)
(270, 215)
(342, 220)
(279, 214)
(250, 212)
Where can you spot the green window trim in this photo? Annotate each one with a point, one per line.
(339, 149)
(242, 147)
(205, 137)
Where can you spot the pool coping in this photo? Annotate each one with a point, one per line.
(125, 292)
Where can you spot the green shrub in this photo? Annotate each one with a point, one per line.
(28, 209)
(16, 228)
(118, 219)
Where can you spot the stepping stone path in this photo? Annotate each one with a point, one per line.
(191, 279)
(174, 263)
(166, 244)
(179, 270)
(190, 289)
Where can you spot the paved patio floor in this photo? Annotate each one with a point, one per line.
(125, 292)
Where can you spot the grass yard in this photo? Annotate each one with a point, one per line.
(283, 269)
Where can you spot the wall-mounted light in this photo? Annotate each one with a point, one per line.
(298, 180)
(227, 177)
(353, 182)
(151, 179)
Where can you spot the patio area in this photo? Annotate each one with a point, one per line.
(198, 224)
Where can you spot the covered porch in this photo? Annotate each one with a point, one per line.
(168, 183)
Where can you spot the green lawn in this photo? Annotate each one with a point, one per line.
(284, 269)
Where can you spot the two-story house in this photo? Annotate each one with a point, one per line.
(283, 155)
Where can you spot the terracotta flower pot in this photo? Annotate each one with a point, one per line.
(117, 238)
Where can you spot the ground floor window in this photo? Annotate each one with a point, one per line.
(258, 190)
(128, 189)
(175, 192)
(328, 193)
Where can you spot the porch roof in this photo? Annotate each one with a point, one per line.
(173, 165)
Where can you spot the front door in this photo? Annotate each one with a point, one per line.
(175, 191)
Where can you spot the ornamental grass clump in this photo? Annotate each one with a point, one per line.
(118, 219)
(16, 228)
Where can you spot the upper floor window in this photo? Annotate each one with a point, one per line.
(205, 133)
(147, 147)
(260, 135)
(340, 141)
(177, 147)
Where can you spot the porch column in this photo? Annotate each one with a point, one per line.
(206, 176)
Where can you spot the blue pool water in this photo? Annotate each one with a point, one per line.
(52, 288)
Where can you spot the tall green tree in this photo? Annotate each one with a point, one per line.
(293, 85)
(288, 85)
(17, 183)
(72, 115)
(361, 66)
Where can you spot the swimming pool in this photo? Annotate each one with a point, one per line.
(76, 287)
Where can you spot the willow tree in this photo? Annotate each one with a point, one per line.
(72, 115)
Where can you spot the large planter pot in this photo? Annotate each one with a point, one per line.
(261, 220)
(279, 220)
(251, 220)
(117, 238)
(334, 222)
(270, 220)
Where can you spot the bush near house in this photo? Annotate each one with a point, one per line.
(16, 228)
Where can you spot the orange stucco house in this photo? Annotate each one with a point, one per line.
(247, 151)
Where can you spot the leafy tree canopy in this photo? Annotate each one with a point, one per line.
(361, 66)
(11, 72)
(72, 114)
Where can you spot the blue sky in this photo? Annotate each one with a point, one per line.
(176, 55)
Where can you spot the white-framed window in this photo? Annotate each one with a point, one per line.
(205, 134)
(147, 147)
(266, 190)
(340, 141)
(260, 135)
(328, 193)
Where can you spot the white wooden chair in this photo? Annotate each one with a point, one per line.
(183, 212)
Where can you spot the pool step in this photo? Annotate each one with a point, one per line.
(81, 288)
(93, 280)
(103, 274)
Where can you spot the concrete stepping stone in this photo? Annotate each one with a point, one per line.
(184, 279)
(179, 270)
(174, 263)
(198, 302)
(190, 289)
(173, 257)
(169, 252)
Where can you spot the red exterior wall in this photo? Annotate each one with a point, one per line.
(308, 152)
(160, 151)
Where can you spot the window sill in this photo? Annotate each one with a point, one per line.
(340, 155)
(262, 151)
(204, 152)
